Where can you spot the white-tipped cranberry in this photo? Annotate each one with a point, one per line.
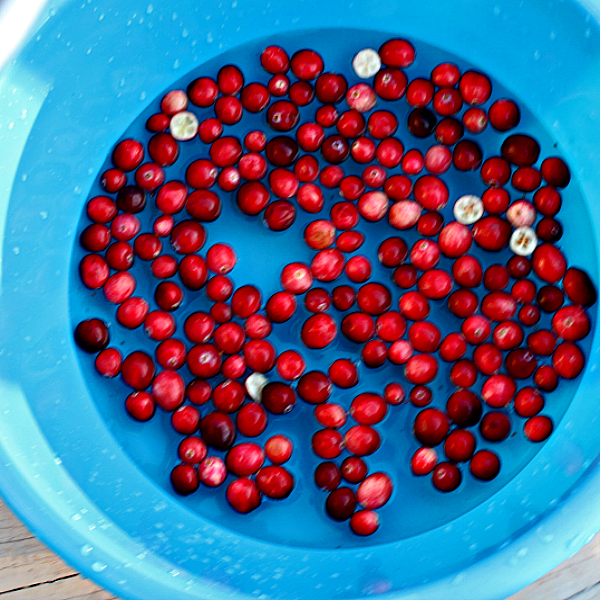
(468, 209)
(373, 205)
(212, 471)
(361, 97)
(374, 491)
(521, 214)
(523, 241)
(404, 214)
(366, 63)
(424, 460)
(183, 126)
(173, 102)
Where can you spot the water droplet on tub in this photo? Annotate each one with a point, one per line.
(98, 567)
(176, 64)
(57, 461)
(150, 9)
(143, 96)
(75, 517)
(101, 17)
(24, 177)
(210, 37)
(43, 214)
(16, 250)
(86, 549)
(185, 33)
(576, 543)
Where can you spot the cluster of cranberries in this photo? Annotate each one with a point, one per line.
(225, 352)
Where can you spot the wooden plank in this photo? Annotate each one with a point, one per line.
(577, 578)
(73, 587)
(29, 571)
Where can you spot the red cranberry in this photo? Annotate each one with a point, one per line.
(318, 331)
(330, 415)
(243, 495)
(184, 479)
(459, 445)
(314, 387)
(579, 287)
(474, 87)
(251, 419)
(485, 465)
(495, 426)
(538, 428)
(212, 471)
(259, 355)
(528, 402)
(374, 491)
(446, 477)
(555, 172)
(128, 155)
(92, 335)
(421, 122)
(275, 482)
(431, 426)
(340, 504)
(278, 449)
(423, 461)
(327, 443)
(568, 360)
(278, 398)
(361, 440)
(464, 408)
(306, 64)
(327, 476)
(137, 370)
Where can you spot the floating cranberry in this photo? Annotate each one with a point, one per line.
(464, 408)
(243, 495)
(361, 440)
(92, 335)
(521, 150)
(306, 64)
(568, 360)
(251, 420)
(318, 331)
(212, 471)
(498, 390)
(314, 387)
(485, 465)
(459, 446)
(341, 504)
(218, 430)
(327, 443)
(446, 477)
(495, 426)
(492, 233)
(555, 172)
(431, 426)
(579, 287)
(538, 428)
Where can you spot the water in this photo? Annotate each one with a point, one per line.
(415, 507)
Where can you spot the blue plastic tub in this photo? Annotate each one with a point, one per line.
(94, 485)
